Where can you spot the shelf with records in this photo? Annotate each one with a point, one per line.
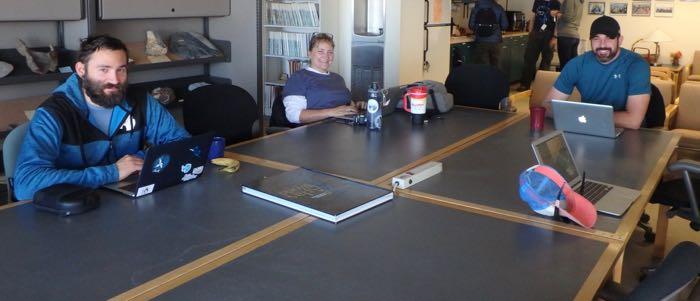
(293, 13)
(288, 26)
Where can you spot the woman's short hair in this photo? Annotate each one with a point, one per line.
(92, 44)
(320, 37)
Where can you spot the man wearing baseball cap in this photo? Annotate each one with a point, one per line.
(609, 75)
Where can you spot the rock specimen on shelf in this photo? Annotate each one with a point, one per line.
(5, 69)
(39, 62)
(164, 95)
(192, 45)
(154, 44)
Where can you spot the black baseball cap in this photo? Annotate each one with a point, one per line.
(607, 26)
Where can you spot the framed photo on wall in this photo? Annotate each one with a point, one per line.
(663, 9)
(596, 8)
(641, 9)
(618, 8)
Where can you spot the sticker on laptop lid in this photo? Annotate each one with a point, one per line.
(196, 151)
(198, 170)
(145, 190)
(160, 163)
(188, 177)
(186, 168)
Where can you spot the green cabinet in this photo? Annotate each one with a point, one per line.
(515, 53)
(461, 53)
(511, 58)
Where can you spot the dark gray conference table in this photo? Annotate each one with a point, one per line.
(489, 169)
(355, 152)
(406, 250)
(127, 242)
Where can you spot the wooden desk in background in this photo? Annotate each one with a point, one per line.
(675, 74)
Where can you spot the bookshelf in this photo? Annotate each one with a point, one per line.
(287, 26)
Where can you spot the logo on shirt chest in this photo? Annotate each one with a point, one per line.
(617, 76)
(129, 124)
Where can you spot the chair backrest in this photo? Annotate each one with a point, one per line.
(477, 85)
(675, 276)
(656, 110)
(10, 150)
(666, 87)
(696, 63)
(688, 107)
(278, 116)
(544, 80)
(229, 111)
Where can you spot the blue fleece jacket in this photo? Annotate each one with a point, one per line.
(63, 146)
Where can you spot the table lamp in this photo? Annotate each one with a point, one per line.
(656, 37)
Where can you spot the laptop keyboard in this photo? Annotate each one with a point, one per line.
(595, 191)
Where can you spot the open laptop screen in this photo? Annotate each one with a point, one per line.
(555, 153)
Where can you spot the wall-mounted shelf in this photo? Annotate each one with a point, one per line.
(141, 62)
(21, 72)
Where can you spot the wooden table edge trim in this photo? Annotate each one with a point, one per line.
(628, 224)
(15, 204)
(454, 147)
(600, 272)
(198, 267)
(502, 214)
(272, 135)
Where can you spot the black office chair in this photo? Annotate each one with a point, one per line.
(675, 277)
(680, 193)
(477, 85)
(229, 111)
(656, 110)
(278, 116)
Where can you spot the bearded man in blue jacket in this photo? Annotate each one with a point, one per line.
(89, 132)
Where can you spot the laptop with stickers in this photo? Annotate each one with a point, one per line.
(167, 165)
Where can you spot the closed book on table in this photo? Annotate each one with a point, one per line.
(319, 194)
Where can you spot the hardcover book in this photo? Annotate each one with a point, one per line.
(319, 194)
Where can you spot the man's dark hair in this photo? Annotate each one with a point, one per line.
(92, 44)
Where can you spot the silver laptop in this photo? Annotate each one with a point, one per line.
(553, 150)
(584, 118)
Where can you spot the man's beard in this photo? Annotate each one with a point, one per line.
(611, 54)
(95, 91)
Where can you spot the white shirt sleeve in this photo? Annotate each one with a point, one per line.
(293, 105)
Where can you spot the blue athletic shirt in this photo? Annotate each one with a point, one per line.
(608, 84)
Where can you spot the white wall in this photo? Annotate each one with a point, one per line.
(239, 28)
(683, 28)
(403, 52)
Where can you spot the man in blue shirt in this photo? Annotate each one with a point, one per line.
(89, 132)
(608, 74)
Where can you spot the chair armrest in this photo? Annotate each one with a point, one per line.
(685, 164)
(671, 112)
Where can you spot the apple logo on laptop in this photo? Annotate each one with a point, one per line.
(582, 119)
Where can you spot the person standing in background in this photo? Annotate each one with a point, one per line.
(486, 20)
(568, 21)
(540, 40)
